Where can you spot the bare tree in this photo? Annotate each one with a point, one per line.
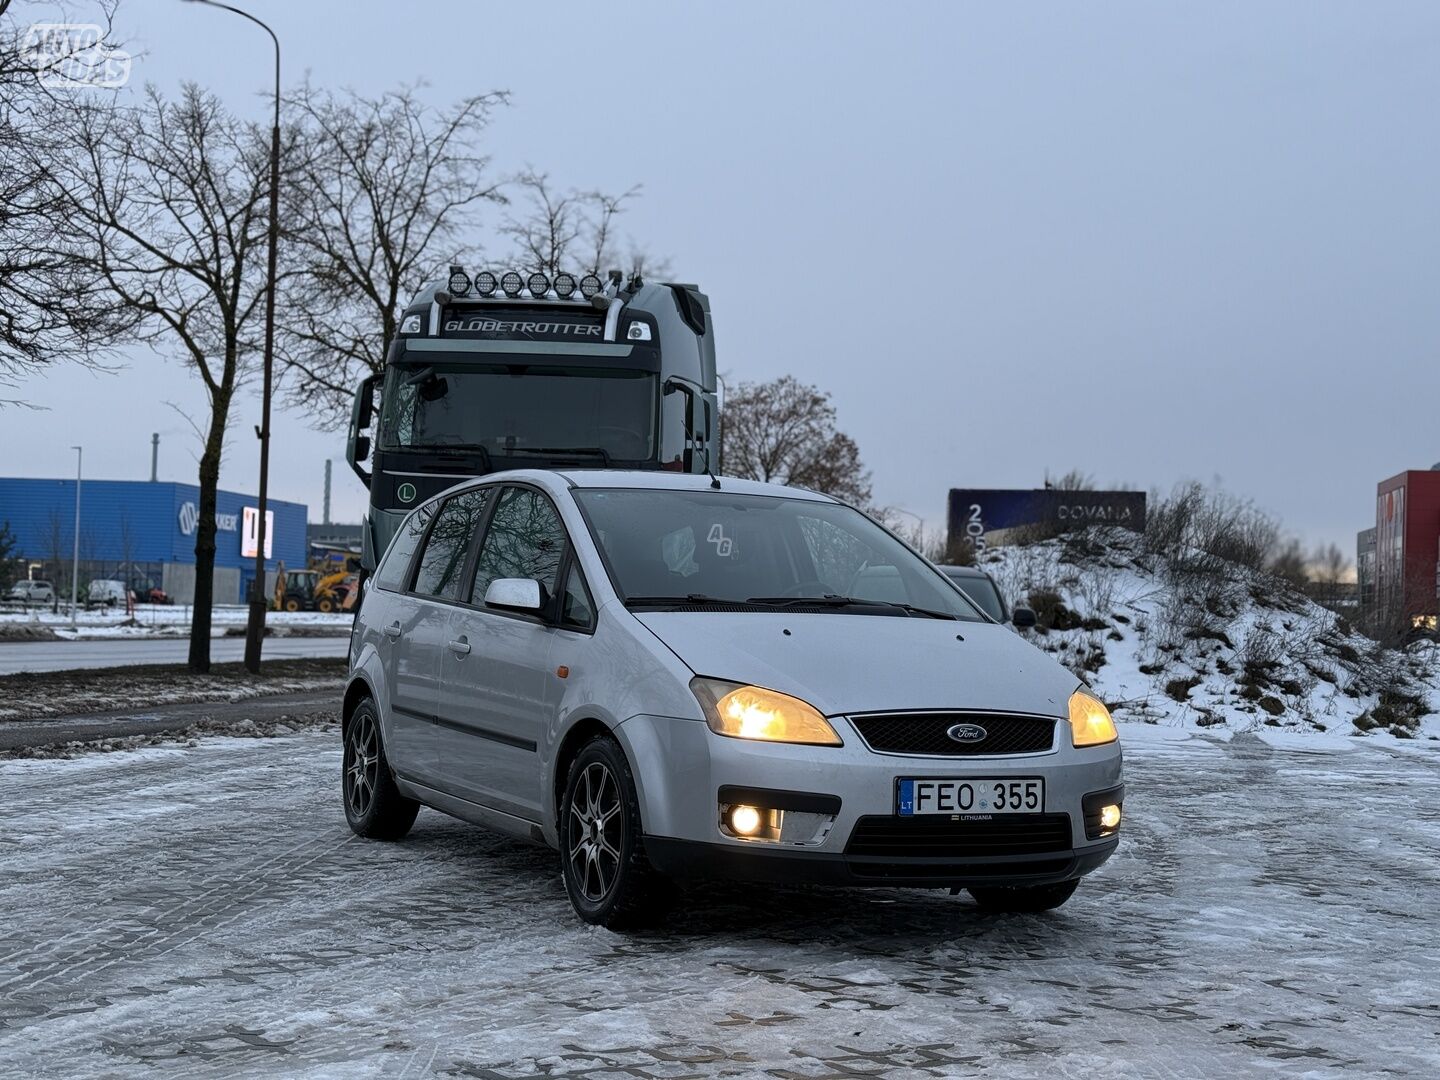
(572, 230)
(165, 203)
(784, 432)
(50, 306)
(379, 205)
(1330, 566)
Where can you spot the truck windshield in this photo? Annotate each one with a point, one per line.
(520, 409)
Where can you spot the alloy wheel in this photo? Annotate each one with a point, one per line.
(595, 832)
(362, 765)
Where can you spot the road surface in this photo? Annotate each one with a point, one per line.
(205, 912)
(18, 656)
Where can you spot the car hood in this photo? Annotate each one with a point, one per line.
(869, 663)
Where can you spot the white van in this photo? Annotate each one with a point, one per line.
(106, 591)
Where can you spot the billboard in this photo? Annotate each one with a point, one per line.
(975, 513)
(250, 533)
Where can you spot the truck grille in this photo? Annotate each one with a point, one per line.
(925, 733)
(939, 837)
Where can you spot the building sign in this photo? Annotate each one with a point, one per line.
(190, 519)
(250, 533)
(976, 512)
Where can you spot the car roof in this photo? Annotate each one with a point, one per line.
(651, 480)
(966, 572)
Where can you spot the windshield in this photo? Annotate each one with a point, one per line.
(981, 590)
(522, 409)
(707, 547)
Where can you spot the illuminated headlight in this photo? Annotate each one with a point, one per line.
(511, 283)
(590, 285)
(753, 712)
(638, 331)
(411, 325)
(538, 284)
(486, 283)
(564, 285)
(1090, 721)
(459, 283)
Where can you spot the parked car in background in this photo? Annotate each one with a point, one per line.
(667, 676)
(32, 592)
(106, 591)
(146, 593)
(981, 588)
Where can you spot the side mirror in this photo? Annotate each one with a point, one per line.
(515, 594)
(1023, 617)
(362, 414)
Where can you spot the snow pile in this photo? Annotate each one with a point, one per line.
(1191, 640)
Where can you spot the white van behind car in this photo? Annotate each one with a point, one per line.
(107, 591)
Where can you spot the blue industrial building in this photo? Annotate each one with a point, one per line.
(142, 533)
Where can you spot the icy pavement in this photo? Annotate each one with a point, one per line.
(205, 912)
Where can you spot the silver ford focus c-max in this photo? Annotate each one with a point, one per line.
(664, 676)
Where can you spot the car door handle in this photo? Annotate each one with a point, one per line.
(393, 630)
(460, 648)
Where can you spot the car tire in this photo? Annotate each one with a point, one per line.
(1023, 898)
(374, 807)
(602, 850)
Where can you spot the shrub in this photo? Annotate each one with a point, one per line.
(1179, 689)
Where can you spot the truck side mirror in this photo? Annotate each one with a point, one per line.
(1023, 618)
(362, 415)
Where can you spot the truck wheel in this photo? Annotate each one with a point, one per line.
(1022, 898)
(292, 604)
(602, 853)
(374, 806)
(325, 605)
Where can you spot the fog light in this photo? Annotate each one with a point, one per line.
(745, 820)
(1110, 816)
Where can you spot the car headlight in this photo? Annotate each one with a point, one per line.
(1090, 721)
(752, 712)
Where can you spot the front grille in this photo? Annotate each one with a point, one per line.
(925, 733)
(939, 837)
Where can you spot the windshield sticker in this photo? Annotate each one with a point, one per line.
(724, 546)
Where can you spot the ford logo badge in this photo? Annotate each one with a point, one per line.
(966, 733)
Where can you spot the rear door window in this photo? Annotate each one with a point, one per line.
(395, 570)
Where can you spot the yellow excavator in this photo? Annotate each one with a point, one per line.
(312, 590)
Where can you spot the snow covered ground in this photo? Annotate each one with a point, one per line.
(204, 911)
(168, 620)
(1205, 644)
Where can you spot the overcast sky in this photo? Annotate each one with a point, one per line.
(1149, 241)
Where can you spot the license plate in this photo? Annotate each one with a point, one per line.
(995, 796)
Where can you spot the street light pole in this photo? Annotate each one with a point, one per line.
(75, 553)
(255, 627)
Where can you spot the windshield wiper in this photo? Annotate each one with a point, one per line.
(591, 451)
(688, 598)
(831, 600)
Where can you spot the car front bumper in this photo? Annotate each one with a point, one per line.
(681, 766)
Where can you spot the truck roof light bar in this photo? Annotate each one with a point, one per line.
(511, 283)
(486, 283)
(459, 283)
(538, 284)
(590, 286)
(564, 285)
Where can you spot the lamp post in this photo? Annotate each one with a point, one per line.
(75, 552)
(255, 626)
